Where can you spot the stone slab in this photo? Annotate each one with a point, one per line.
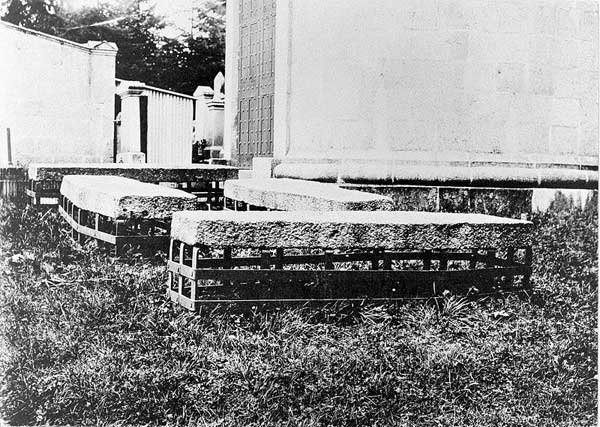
(147, 172)
(294, 194)
(349, 229)
(124, 198)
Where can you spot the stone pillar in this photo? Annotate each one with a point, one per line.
(232, 46)
(214, 123)
(209, 120)
(101, 78)
(130, 120)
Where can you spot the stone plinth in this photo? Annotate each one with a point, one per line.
(142, 172)
(336, 230)
(508, 202)
(123, 198)
(458, 173)
(294, 194)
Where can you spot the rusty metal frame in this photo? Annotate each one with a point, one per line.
(191, 274)
(212, 196)
(110, 230)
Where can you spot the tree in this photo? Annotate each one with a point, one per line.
(200, 54)
(136, 34)
(39, 15)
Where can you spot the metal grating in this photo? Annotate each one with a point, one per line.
(257, 80)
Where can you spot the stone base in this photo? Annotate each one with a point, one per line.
(511, 203)
(262, 167)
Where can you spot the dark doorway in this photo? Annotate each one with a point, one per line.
(257, 78)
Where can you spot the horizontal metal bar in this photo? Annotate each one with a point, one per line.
(111, 238)
(245, 275)
(351, 257)
(100, 235)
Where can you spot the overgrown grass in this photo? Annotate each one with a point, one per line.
(93, 341)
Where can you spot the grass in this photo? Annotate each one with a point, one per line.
(93, 341)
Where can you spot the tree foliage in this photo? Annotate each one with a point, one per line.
(145, 53)
(40, 15)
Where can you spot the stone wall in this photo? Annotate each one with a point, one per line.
(57, 97)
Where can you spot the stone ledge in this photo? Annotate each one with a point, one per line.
(293, 194)
(437, 174)
(349, 229)
(124, 198)
(146, 172)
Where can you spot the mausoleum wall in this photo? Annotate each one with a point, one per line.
(363, 89)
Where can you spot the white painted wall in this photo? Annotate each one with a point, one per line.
(170, 123)
(170, 127)
(56, 96)
(436, 80)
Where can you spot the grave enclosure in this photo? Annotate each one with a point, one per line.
(261, 257)
(203, 180)
(121, 211)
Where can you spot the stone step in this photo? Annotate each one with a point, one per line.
(295, 194)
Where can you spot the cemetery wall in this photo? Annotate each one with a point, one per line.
(57, 97)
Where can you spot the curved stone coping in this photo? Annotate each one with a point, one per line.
(124, 198)
(294, 194)
(349, 229)
(496, 175)
(145, 172)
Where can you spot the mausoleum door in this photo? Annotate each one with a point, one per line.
(257, 77)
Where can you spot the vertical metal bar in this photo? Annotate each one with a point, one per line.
(195, 251)
(265, 260)
(171, 245)
(375, 255)
(328, 259)
(279, 259)
(527, 261)
(490, 258)
(227, 262)
(510, 255)
(427, 259)
(180, 276)
(473, 260)
(510, 260)
(387, 261)
(79, 239)
(443, 261)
